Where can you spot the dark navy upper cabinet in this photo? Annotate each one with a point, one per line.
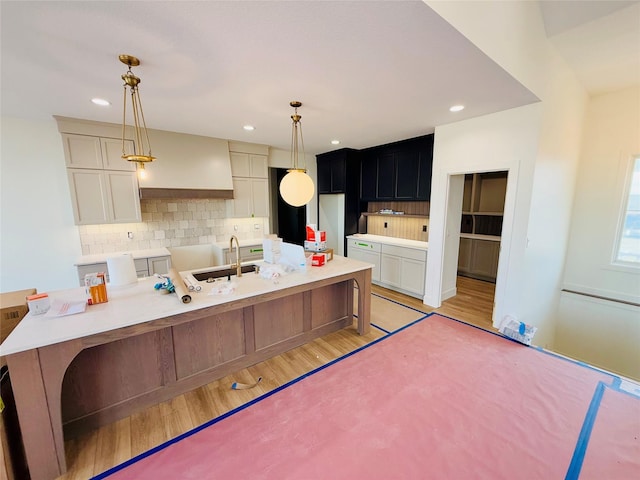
(399, 171)
(425, 167)
(333, 169)
(386, 167)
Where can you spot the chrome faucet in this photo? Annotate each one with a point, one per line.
(237, 265)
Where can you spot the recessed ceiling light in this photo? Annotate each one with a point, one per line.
(249, 128)
(101, 101)
(456, 108)
(335, 142)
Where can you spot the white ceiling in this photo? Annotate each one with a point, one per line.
(600, 40)
(366, 72)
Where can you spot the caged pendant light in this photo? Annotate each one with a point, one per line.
(140, 134)
(296, 188)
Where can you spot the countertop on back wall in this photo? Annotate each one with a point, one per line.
(401, 242)
(102, 257)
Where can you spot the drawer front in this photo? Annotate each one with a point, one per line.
(142, 269)
(252, 252)
(247, 253)
(92, 268)
(364, 245)
(368, 256)
(405, 252)
(160, 265)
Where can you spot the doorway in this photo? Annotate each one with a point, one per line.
(477, 204)
(290, 221)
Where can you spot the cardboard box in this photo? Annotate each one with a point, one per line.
(13, 308)
(328, 253)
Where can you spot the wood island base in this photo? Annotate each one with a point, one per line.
(71, 387)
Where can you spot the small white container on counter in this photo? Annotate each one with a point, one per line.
(38, 303)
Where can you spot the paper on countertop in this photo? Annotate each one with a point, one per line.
(269, 271)
(61, 308)
(222, 288)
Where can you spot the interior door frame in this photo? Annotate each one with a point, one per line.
(448, 259)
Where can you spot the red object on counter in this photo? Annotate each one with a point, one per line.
(317, 260)
(316, 235)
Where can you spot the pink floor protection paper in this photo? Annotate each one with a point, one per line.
(438, 399)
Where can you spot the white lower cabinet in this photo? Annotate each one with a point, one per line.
(413, 274)
(248, 253)
(404, 268)
(396, 267)
(145, 267)
(159, 265)
(366, 252)
(390, 270)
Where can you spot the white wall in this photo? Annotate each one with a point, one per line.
(513, 35)
(611, 139)
(604, 333)
(502, 141)
(39, 242)
(601, 333)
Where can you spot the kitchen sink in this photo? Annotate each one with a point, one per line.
(211, 275)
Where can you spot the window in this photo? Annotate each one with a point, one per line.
(628, 245)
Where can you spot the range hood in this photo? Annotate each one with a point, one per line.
(187, 166)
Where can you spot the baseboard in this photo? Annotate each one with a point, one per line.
(447, 294)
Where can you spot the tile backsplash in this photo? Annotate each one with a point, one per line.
(171, 223)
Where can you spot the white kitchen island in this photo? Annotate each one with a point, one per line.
(75, 373)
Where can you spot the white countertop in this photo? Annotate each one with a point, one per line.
(140, 302)
(401, 242)
(102, 257)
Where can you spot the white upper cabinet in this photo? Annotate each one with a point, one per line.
(250, 198)
(103, 186)
(122, 193)
(112, 154)
(81, 151)
(249, 165)
(250, 185)
(85, 151)
(103, 196)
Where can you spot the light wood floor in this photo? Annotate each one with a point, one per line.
(472, 304)
(113, 444)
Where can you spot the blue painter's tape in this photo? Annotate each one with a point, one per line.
(398, 303)
(616, 383)
(585, 433)
(380, 328)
